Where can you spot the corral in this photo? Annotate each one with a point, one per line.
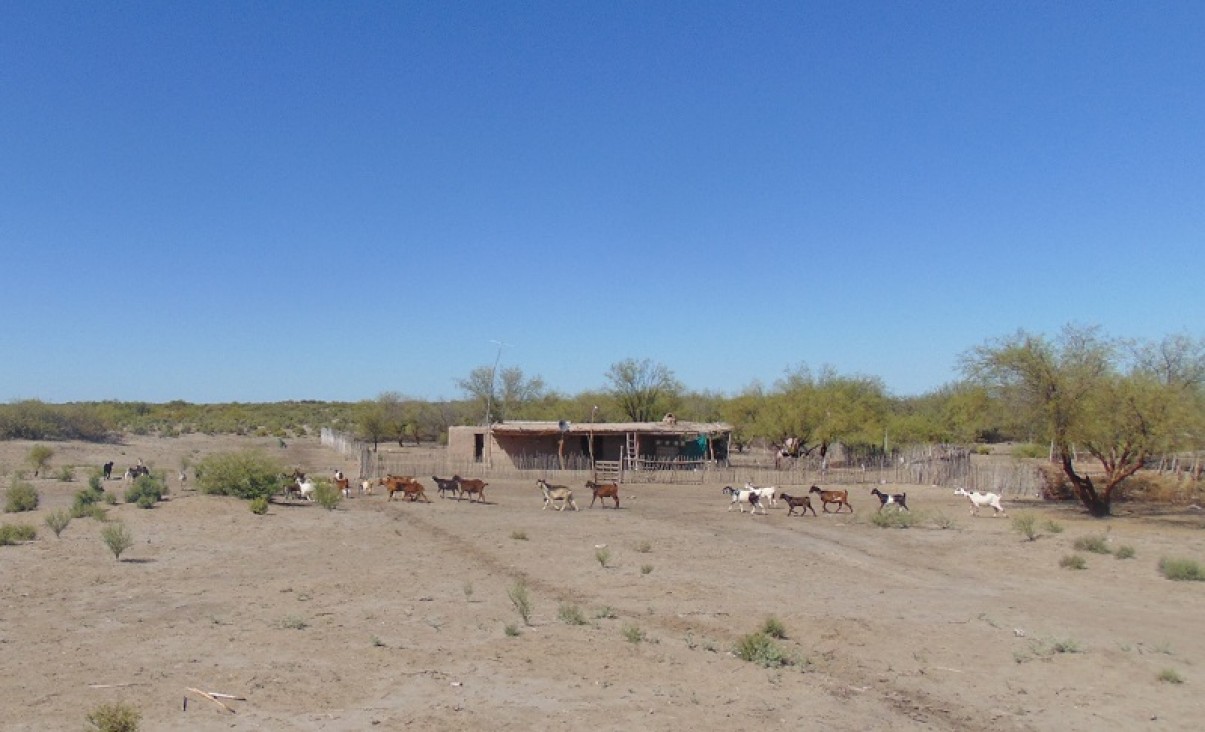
(394, 615)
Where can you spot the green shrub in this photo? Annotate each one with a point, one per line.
(56, 521)
(571, 614)
(1026, 524)
(1170, 676)
(1031, 450)
(37, 457)
(1073, 561)
(518, 535)
(247, 474)
(115, 718)
(1181, 569)
(603, 556)
(1053, 527)
(761, 649)
(96, 482)
(259, 506)
(893, 519)
(521, 599)
(20, 497)
(773, 627)
(89, 510)
(1096, 544)
(13, 533)
(326, 494)
(511, 630)
(118, 537)
(633, 634)
(1125, 551)
(646, 569)
(66, 473)
(145, 489)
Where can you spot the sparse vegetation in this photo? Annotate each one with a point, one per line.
(644, 547)
(66, 474)
(1170, 676)
(13, 533)
(259, 506)
(1125, 551)
(633, 634)
(511, 630)
(603, 556)
(1095, 543)
(326, 494)
(20, 496)
(38, 457)
(145, 491)
(1181, 569)
(518, 535)
(606, 612)
(521, 599)
(468, 590)
(57, 521)
(894, 519)
(293, 622)
(761, 649)
(1026, 524)
(1053, 527)
(774, 628)
(118, 537)
(1073, 561)
(646, 569)
(117, 717)
(571, 614)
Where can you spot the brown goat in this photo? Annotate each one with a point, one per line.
(794, 502)
(472, 487)
(841, 498)
(406, 485)
(603, 491)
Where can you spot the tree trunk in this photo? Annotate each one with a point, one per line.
(1098, 504)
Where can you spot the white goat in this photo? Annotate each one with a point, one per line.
(306, 488)
(978, 500)
(554, 493)
(741, 496)
(768, 493)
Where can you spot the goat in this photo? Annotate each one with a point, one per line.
(344, 486)
(553, 493)
(768, 493)
(794, 502)
(841, 498)
(446, 485)
(899, 500)
(108, 470)
(136, 471)
(603, 491)
(304, 488)
(741, 496)
(978, 500)
(471, 487)
(365, 486)
(406, 485)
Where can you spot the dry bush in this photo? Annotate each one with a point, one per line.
(1156, 488)
(1055, 486)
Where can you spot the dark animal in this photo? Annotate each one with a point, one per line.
(108, 470)
(900, 500)
(137, 471)
(841, 498)
(471, 487)
(445, 485)
(794, 502)
(603, 491)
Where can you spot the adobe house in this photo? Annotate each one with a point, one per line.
(639, 445)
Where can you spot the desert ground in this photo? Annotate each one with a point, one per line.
(394, 615)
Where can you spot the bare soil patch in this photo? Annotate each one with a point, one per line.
(393, 615)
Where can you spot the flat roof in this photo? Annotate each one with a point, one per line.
(678, 428)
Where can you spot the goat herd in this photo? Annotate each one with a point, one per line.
(759, 497)
(561, 496)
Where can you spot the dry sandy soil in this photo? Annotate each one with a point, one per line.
(392, 615)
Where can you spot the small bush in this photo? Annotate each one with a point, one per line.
(761, 649)
(293, 622)
(1125, 551)
(326, 494)
(20, 497)
(606, 612)
(118, 537)
(893, 519)
(603, 556)
(1181, 569)
(646, 569)
(247, 474)
(773, 627)
(633, 634)
(942, 521)
(37, 457)
(1026, 524)
(1073, 561)
(644, 547)
(1030, 450)
(66, 474)
(259, 506)
(56, 521)
(571, 615)
(1170, 676)
(146, 487)
(1053, 527)
(511, 630)
(518, 535)
(115, 718)
(96, 482)
(1096, 544)
(13, 533)
(521, 599)
(89, 510)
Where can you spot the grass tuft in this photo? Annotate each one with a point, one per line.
(1181, 569)
(1073, 561)
(1096, 543)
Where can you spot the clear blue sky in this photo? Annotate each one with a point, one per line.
(250, 201)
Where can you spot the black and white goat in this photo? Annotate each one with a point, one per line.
(899, 500)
